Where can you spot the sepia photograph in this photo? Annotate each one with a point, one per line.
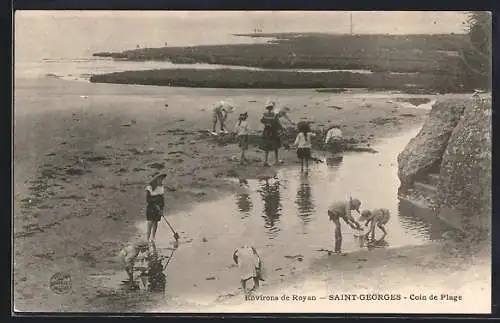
(252, 162)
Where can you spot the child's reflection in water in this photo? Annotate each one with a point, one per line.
(304, 200)
(270, 193)
(243, 200)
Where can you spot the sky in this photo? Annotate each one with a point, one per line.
(46, 34)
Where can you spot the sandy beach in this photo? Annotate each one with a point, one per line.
(84, 153)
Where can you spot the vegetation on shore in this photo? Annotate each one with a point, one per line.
(378, 53)
(233, 78)
(445, 63)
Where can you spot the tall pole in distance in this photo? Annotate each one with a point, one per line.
(350, 18)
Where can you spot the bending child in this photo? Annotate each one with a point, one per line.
(132, 253)
(377, 217)
(220, 113)
(250, 264)
(342, 210)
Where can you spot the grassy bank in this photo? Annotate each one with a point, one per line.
(404, 54)
(229, 78)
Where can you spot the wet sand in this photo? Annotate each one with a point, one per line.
(84, 153)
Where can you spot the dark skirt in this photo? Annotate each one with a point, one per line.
(304, 153)
(270, 141)
(243, 142)
(152, 213)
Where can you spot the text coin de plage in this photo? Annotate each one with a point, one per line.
(356, 297)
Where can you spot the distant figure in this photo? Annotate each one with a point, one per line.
(333, 139)
(242, 130)
(156, 203)
(220, 113)
(303, 144)
(132, 253)
(283, 114)
(250, 265)
(271, 135)
(342, 210)
(377, 217)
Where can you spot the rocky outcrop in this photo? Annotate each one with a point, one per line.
(464, 186)
(423, 153)
(450, 161)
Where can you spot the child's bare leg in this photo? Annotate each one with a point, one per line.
(244, 285)
(381, 227)
(154, 228)
(130, 274)
(255, 283)
(276, 157)
(266, 156)
(214, 124)
(338, 236)
(301, 165)
(148, 231)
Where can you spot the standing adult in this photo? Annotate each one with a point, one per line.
(342, 210)
(271, 135)
(156, 202)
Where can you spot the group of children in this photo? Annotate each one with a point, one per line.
(271, 134)
(247, 257)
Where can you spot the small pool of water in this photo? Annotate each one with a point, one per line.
(285, 218)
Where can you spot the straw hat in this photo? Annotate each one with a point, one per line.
(270, 104)
(229, 107)
(157, 178)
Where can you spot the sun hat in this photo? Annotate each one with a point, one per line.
(158, 177)
(270, 104)
(142, 244)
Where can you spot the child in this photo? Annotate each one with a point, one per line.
(377, 217)
(242, 130)
(250, 264)
(155, 205)
(220, 112)
(132, 253)
(343, 210)
(283, 113)
(333, 139)
(303, 144)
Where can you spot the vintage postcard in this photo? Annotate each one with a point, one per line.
(252, 161)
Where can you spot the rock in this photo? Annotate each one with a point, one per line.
(464, 186)
(210, 278)
(423, 153)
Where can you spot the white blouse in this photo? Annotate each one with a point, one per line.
(159, 190)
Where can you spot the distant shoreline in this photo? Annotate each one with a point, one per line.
(399, 62)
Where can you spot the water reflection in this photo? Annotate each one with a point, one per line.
(243, 200)
(270, 193)
(334, 161)
(420, 221)
(304, 200)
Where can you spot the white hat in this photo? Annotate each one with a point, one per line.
(228, 106)
(270, 103)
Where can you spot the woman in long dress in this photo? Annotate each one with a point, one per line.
(271, 140)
